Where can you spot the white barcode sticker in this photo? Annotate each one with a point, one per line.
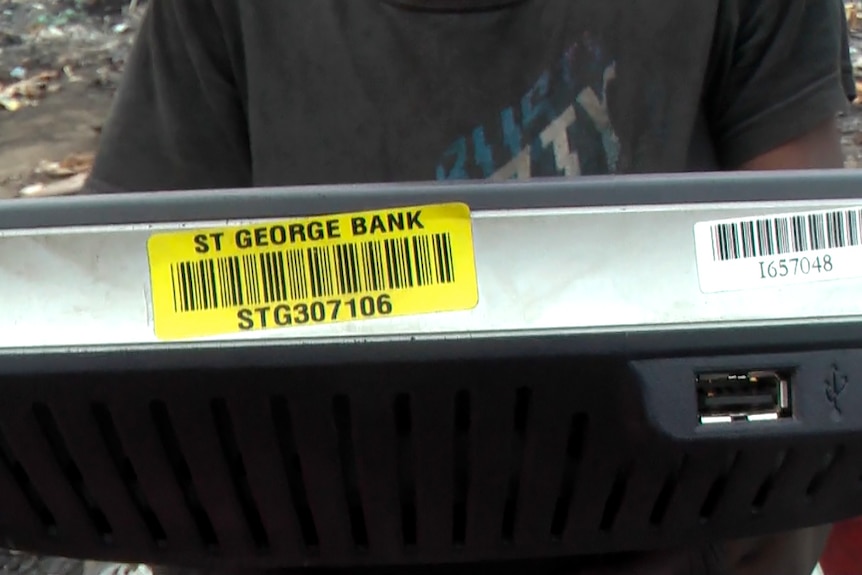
(777, 250)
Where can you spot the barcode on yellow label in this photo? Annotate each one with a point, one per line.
(310, 271)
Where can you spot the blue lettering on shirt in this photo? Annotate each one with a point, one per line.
(560, 127)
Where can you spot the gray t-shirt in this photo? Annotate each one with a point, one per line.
(239, 93)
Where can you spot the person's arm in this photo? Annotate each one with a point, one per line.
(774, 84)
(178, 119)
(819, 148)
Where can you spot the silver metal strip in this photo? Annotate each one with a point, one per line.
(581, 270)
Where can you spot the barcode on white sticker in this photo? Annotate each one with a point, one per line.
(775, 250)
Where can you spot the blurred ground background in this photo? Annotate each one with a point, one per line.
(60, 61)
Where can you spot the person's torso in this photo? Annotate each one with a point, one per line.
(344, 91)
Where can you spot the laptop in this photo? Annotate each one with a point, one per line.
(427, 374)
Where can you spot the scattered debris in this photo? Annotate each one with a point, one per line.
(57, 55)
(69, 72)
(27, 92)
(852, 10)
(63, 187)
(72, 165)
(100, 568)
(21, 563)
(59, 178)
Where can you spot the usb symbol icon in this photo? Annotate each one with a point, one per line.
(835, 384)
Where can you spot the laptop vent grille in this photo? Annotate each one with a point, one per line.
(273, 473)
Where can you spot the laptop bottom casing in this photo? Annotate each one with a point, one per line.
(610, 391)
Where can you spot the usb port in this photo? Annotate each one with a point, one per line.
(745, 396)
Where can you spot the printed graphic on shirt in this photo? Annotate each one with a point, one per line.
(560, 127)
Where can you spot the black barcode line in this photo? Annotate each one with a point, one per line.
(222, 284)
(420, 259)
(203, 286)
(430, 259)
(232, 279)
(766, 237)
(198, 275)
(328, 276)
(368, 272)
(376, 267)
(321, 272)
(267, 284)
(344, 275)
(211, 280)
(408, 263)
(279, 279)
(248, 275)
(411, 263)
(194, 286)
(314, 272)
(420, 256)
(442, 267)
(404, 262)
(393, 273)
(174, 291)
(446, 262)
(279, 282)
(186, 283)
(358, 269)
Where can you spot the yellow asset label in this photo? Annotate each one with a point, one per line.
(312, 271)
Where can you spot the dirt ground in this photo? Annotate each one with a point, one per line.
(60, 61)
